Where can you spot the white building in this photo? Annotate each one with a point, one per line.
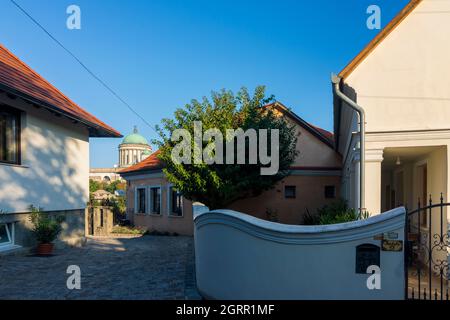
(401, 80)
(44, 153)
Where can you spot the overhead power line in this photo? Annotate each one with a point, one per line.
(95, 76)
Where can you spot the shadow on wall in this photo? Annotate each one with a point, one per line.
(53, 173)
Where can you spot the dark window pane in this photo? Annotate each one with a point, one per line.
(156, 200)
(101, 218)
(290, 192)
(176, 202)
(9, 136)
(330, 192)
(3, 234)
(141, 201)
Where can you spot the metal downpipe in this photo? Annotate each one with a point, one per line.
(362, 130)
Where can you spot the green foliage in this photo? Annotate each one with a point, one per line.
(118, 205)
(217, 185)
(334, 213)
(108, 186)
(128, 230)
(113, 186)
(94, 185)
(46, 228)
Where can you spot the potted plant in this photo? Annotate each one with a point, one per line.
(46, 229)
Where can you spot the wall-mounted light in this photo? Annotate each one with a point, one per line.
(398, 162)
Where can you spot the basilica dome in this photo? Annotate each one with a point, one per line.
(135, 138)
(133, 149)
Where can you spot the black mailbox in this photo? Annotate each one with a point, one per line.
(367, 255)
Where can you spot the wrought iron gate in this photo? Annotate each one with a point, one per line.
(427, 252)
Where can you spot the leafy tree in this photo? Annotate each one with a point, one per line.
(94, 185)
(218, 185)
(118, 205)
(112, 187)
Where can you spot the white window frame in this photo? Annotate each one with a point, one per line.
(150, 198)
(136, 199)
(169, 204)
(10, 233)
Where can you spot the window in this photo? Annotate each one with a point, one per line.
(175, 202)
(9, 135)
(330, 192)
(290, 192)
(140, 200)
(155, 198)
(6, 236)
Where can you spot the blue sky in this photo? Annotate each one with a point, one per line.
(160, 54)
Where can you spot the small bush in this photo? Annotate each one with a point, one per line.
(310, 219)
(46, 228)
(334, 213)
(128, 230)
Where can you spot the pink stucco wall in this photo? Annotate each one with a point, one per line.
(163, 222)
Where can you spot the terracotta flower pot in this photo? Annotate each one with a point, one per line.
(45, 249)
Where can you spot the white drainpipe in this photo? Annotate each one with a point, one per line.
(362, 131)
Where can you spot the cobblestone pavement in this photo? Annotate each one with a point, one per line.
(143, 268)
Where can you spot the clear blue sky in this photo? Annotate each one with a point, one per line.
(160, 54)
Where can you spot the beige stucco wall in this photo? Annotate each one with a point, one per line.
(163, 222)
(313, 152)
(310, 196)
(406, 78)
(310, 183)
(55, 163)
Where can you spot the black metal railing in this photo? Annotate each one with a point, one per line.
(426, 252)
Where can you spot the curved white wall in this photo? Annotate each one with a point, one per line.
(242, 257)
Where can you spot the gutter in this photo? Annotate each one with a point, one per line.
(336, 80)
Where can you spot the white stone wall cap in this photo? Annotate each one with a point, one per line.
(375, 225)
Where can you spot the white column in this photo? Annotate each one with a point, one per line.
(374, 157)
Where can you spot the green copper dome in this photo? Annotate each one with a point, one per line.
(134, 138)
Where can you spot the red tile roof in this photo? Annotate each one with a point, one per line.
(150, 163)
(324, 132)
(324, 135)
(19, 79)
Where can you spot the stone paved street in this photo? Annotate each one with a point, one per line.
(143, 268)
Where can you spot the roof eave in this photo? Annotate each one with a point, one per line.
(355, 62)
(140, 171)
(305, 124)
(95, 130)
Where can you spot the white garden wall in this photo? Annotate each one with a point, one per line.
(242, 257)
